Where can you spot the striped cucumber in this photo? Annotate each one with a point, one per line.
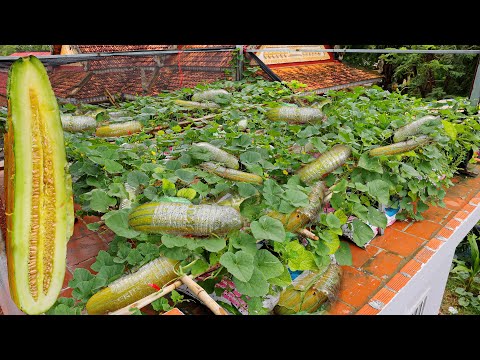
(327, 162)
(120, 129)
(411, 129)
(300, 217)
(184, 219)
(295, 115)
(118, 114)
(309, 291)
(231, 174)
(130, 288)
(196, 104)
(400, 147)
(219, 155)
(218, 96)
(73, 123)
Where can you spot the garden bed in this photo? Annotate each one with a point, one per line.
(261, 185)
(378, 272)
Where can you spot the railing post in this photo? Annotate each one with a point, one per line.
(475, 94)
(239, 72)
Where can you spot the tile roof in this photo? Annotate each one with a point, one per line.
(3, 88)
(130, 76)
(84, 49)
(26, 53)
(169, 79)
(325, 76)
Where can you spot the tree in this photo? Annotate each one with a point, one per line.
(425, 75)
(6, 50)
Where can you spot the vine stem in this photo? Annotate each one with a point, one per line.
(308, 234)
(185, 122)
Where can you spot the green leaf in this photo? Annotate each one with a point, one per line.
(463, 301)
(134, 257)
(80, 275)
(255, 306)
(267, 228)
(343, 254)
(149, 251)
(361, 187)
(243, 241)
(117, 190)
(103, 259)
(331, 240)
(100, 201)
(409, 170)
(296, 198)
(93, 226)
(255, 286)
(340, 214)
(187, 193)
(117, 221)
(283, 280)
(171, 241)
(376, 218)
(250, 157)
(370, 163)
(109, 274)
(168, 187)
(177, 253)
(340, 187)
(83, 291)
(337, 201)
(199, 267)
(246, 190)
(201, 188)
(213, 244)
(421, 206)
(136, 178)
(380, 190)
(185, 175)
(150, 193)
(62, 309)
(299, 258)
(450, 129)
(135, 311)
(360, 211)
(173, 165)
(240, 264)
(112, 166)
(161, 304)
(362, 233)
(268, 264)
(176, 297)
(251, 208)
(333, 221)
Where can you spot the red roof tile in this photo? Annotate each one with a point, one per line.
(3, 88)
(119, 48)
(170, 79)
(64, 80)
(325, 75)
(198, 59)
(26, 53)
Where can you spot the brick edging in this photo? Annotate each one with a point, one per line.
(408, 271)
